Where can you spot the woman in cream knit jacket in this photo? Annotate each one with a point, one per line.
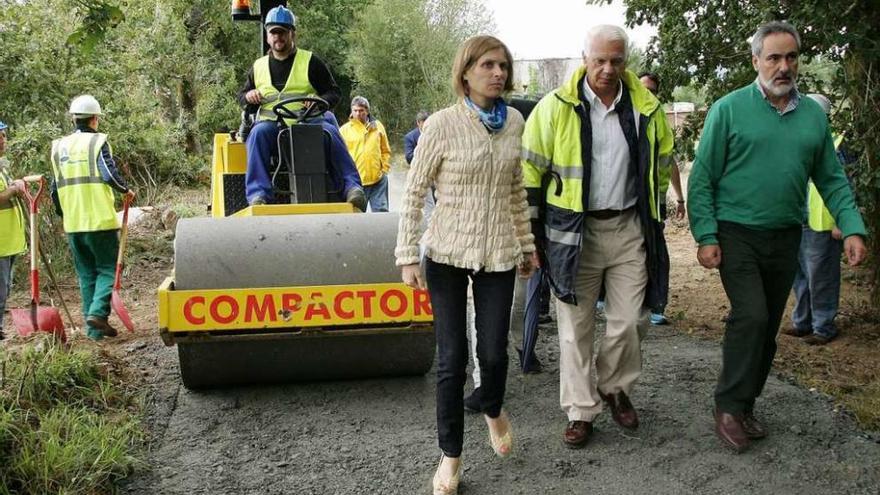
(479, 231)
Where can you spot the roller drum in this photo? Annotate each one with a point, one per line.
(285, 251)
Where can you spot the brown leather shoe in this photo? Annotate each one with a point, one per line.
(101, 325)
(794, 332)
(816, 339)
(754, 429)
(729, 428)
(622, 410)
(577, 433)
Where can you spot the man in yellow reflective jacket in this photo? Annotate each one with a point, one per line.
(817, 281)
(592, 150)
(12, 242)
(368, 145)
(85, 176)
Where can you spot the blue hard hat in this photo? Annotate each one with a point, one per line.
(280, 16)
(3, 125)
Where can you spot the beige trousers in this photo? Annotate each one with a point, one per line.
(612, 249)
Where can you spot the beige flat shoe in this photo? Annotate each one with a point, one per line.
(446, 486)
(502, 445)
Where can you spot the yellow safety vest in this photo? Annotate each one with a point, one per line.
(297, 84)
(12, 240)
(86, 200)
(819, 218)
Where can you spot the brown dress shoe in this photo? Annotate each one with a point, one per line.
(754, 429)
(101, 325)
(729, 428)
(622, 410)
(794, 332)
(577, 433)
(816, 339)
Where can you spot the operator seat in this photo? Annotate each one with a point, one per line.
(303, 154)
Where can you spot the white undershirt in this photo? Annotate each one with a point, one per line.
(611, 187)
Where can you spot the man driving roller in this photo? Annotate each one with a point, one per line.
(288, 71)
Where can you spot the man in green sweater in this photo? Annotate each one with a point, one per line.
(760, 146)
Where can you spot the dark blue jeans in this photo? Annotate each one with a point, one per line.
(377, 195)
(6, 263)
(817, 283)
(262, 146)
(493, 296)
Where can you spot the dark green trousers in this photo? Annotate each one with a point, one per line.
(94, 257)
(757, 270)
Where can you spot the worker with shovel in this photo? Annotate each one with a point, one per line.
(12, 242)
(85, 177)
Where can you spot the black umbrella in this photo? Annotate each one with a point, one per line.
(530, 326)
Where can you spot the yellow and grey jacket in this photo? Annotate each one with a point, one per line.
(12, 241)
(557, 145)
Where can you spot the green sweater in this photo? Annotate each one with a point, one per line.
(753, 164)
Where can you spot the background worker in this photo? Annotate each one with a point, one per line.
(286, 72)
(669, 175)
(817, 281)
(85, 176)
(12, 241)
(411, 139)
(367, 143)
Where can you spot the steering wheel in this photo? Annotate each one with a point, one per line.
(317, 108)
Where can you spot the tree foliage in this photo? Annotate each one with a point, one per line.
(165, 71)
(706, 42)
(402, 62)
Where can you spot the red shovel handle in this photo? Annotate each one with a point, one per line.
(123, 235)
(33, 199)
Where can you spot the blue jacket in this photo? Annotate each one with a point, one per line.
(409, 143)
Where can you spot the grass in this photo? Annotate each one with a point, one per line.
(66, 426)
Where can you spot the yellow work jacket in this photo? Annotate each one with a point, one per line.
(555, 147)
(368, 146)
(819, 218)
(12, 240)
(297, 84)
(86, 200)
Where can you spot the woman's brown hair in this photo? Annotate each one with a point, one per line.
(469, 52)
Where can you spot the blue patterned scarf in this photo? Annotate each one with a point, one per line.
(493, 119)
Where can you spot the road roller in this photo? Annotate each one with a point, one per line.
(303, 289)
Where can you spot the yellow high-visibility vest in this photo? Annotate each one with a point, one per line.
(297, 83)
(819, 218)
(12, 240)
(86, 200)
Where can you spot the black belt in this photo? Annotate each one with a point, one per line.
(606, 214)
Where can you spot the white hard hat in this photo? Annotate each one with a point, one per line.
(84, 106)
(823, 102)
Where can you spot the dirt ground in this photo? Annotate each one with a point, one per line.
(378, 436)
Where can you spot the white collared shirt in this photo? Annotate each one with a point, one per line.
(611, 187)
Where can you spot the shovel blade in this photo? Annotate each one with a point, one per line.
(48, 319)
(119, 308)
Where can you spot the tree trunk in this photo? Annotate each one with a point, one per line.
(863, 92)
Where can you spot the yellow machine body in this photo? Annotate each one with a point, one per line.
(247, 302)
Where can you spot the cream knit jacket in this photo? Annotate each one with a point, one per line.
(481, 219)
